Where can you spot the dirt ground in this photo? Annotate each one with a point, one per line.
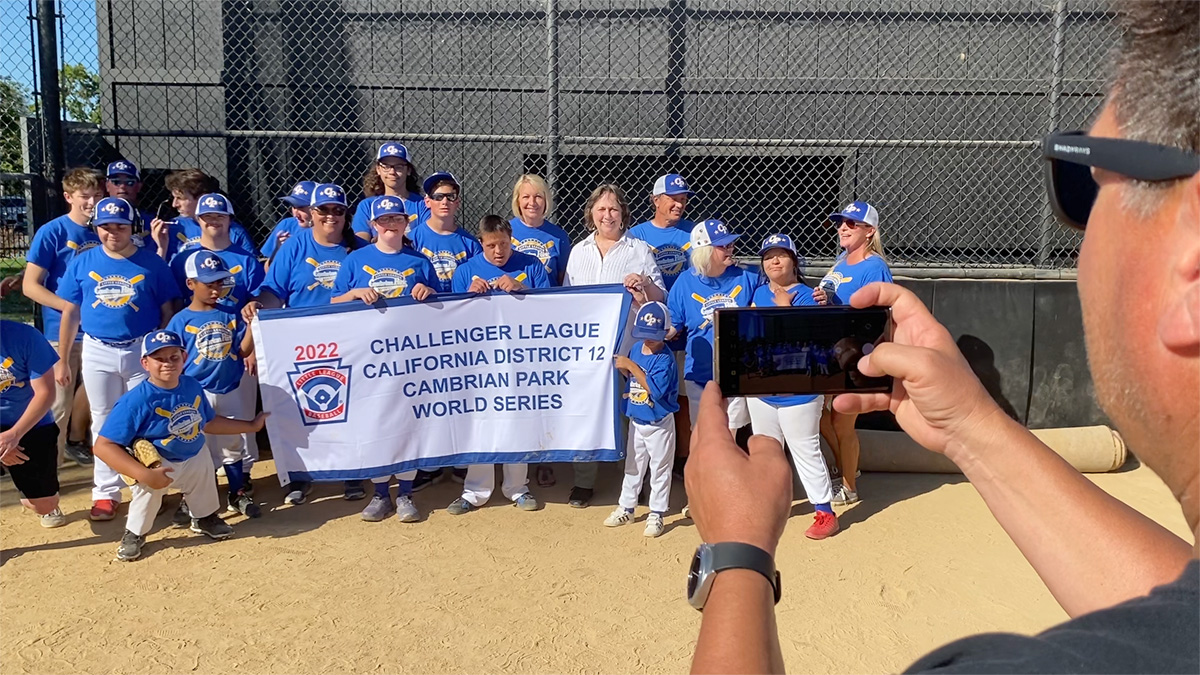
(312, 588)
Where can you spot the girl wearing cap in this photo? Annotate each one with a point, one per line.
(298, 200)
(794, 419)
(392, 174)
(532, 233)
(389, 268)
(610, 256)
(860, 263)
(116, 293)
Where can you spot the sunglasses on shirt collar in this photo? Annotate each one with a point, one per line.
(1071, 155)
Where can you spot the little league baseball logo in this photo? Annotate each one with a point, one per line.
(534, 247)
(444, 262)
(183, 422)
(324, 273)
(388, 282)
(214, 340)
(115, 291)
(670, 260)
(7, 378)
(322, 391)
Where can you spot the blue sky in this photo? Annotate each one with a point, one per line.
(77, 41)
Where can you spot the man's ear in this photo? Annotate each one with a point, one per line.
(1179, 324)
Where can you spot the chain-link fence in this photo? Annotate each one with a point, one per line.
(778, 112)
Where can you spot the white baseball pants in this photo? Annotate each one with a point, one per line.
(481, 481)
(800, 427)
(193, 477)
(734, 407)
(231, 448)
(384, 480)
(247, 395)
(64, 397)
(108, 372)
(651, 444)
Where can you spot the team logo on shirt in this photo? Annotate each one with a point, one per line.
(837, 279)
(115, 291)
(388, 282)
(214, 340)
(322, 390)
(444, 262)
(492, 282)
(323, 272)
(183, 421)
(637, 393)
(80, 247)
(7, 377)
(229, 283)
(536, 248)
(714, 302)
(670, 259)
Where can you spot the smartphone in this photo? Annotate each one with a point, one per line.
(166, 211)
(777, 351)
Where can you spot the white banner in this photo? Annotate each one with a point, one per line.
(357, 392)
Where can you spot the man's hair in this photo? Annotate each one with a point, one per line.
(446, 182)
(493, 224)
(1156, 82)
(192, 182)
(83, 178)
(373, 184)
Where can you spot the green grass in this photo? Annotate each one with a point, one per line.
(15, 306)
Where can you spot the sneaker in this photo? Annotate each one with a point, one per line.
(354, 491)
(243, 504)
(182, 517)
(824, 525)
(458, 475)
(406, 511)
(103, 509)
(221, 471)
(687, 512)
(580, 497)
(131, 546)
(78, 453)
(297, 492)
(54, 519)
(843, 496)
(678, 467)
(460, 506)
(526, 502)
(212, 526)
(618, 518)
(654, 525)
(835, 476)
(379, 509)
(426, 478)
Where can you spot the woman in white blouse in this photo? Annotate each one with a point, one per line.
(608, 256)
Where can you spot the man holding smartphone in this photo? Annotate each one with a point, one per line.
(1134, 598)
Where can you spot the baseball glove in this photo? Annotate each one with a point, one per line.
(144, 452)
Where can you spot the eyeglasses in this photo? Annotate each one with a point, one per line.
(123, 182)
(1070, 155)
(391, 167)
(448, 196)
(330, 210)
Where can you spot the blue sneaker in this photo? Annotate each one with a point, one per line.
(460, 506)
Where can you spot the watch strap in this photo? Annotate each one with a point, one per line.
(729, 555)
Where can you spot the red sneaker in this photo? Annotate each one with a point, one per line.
(103, 509)
(823, 525)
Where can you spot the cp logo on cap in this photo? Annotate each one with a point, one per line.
(121, 165)
(211, 202)
(329, 192)
(677, 181)
(390, 148)
(386, 204)
(299, 190)
(210, 263)
(721, 229)
(853, 208)
(649, 319)
(162, 337)
(112, 207)
(775, 239)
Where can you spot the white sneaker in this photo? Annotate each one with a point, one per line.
(654, 525)
(406, 511)
(843, 496)
(54, 519)
(618, 518)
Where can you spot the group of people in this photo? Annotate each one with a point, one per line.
(145, 320)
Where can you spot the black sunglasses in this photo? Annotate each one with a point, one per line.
(448, 196)
(1070, 155)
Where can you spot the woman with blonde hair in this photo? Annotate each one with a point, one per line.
(860, 263)
(532, 233)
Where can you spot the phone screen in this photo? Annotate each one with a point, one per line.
(166, 211)
(776, 351)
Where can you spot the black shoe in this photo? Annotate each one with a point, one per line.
(680, 464)
(247, 486)
(426, 478)
(212, 526)
(78, 453)
(580, 497)
(243, 504)
(354, 491)
(458, 475)
(131, 546)
(182, 517)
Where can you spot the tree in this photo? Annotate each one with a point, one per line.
(80, 91)
(14, 104)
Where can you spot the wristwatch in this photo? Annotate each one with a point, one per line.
(713, 558)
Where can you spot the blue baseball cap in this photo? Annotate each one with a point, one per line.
(301, 194)
(123, 167)
(392, 149)
(671, 184)
(777, 241)
(112, 210)
(160, 339)
(712, 232)
(860, 212)
(327, 193)
(653, 319)
(214, 202)
(387, 205)
(439, 176)
(206, 266)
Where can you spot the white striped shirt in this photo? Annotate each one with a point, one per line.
(626, 256)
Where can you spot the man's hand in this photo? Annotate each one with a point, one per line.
(735, 496)
(936, 398)
(160, 231)
(421, 292)
(479, 286)
(13, 456)
(62, 373)
(156, 479)
(509, 285)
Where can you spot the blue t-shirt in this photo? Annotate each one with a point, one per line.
(849, 278)
(288, 227)
(414, 206)
(53, 247)
(302, 273)
(520, 267)
(391, 275)
(548, 243)
(190, 229)
(663, 377)
(247, 276)
(445, 251)
(24, 356)
(173, 419)
(801, 297)
(692, 301)
(119, 298)
(670, 246)
(213, 339)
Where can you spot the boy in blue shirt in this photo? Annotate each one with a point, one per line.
(653, 400)
(54, 245)
(217, 345)
(298, 199)
(168, 409)
(439, 238)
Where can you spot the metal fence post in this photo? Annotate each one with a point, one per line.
(552, 138)
(1056, 69)
(676, 62)
(51, 121)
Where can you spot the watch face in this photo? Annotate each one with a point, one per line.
(694, 574)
